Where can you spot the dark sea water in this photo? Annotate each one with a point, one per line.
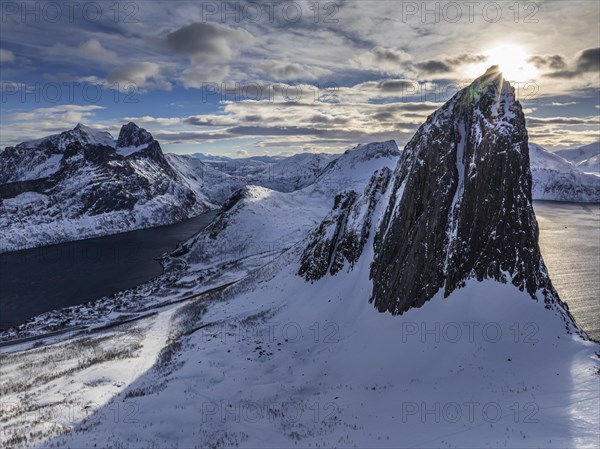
(570, 243)
(38, 280)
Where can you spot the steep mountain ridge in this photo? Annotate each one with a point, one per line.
(93, 190)
(40, 158)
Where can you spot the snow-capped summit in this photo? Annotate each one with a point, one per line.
(40, 158)
(134, 140)
(353, 169)
(81, 133)
(90, 136)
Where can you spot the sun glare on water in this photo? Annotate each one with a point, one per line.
(512, 60)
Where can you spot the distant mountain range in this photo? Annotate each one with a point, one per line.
(558, 179)
(586, 156)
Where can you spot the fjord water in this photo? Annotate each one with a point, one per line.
(41, 279)
(570, 244)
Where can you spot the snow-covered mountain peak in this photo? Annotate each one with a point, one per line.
(558, 179)
(82, 134)
(586, 158)
(373, 150)
(90, 136)
(353, 169)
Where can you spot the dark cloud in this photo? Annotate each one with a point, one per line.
(433, 66)
(201, 121)
(555, 62)
(566, 74)
(466, 58)
(206, 39)
(384, 116)
(447, 65)
(589, 60)
(390, 55)
(396, 85)
(254, 118)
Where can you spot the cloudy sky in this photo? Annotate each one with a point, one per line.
(240, 78)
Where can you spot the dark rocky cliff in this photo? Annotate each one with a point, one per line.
(461, 204)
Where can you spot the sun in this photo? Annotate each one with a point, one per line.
(512, 60)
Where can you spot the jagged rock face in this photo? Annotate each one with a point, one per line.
(343, 234)
(132, 135)
(461, 203)
(137, 143)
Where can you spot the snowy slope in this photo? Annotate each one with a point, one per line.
(581, 154)
(280, 363)
(439, 376)
(591, 165)
(554, 178)
(203, 179)
(256, 224)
